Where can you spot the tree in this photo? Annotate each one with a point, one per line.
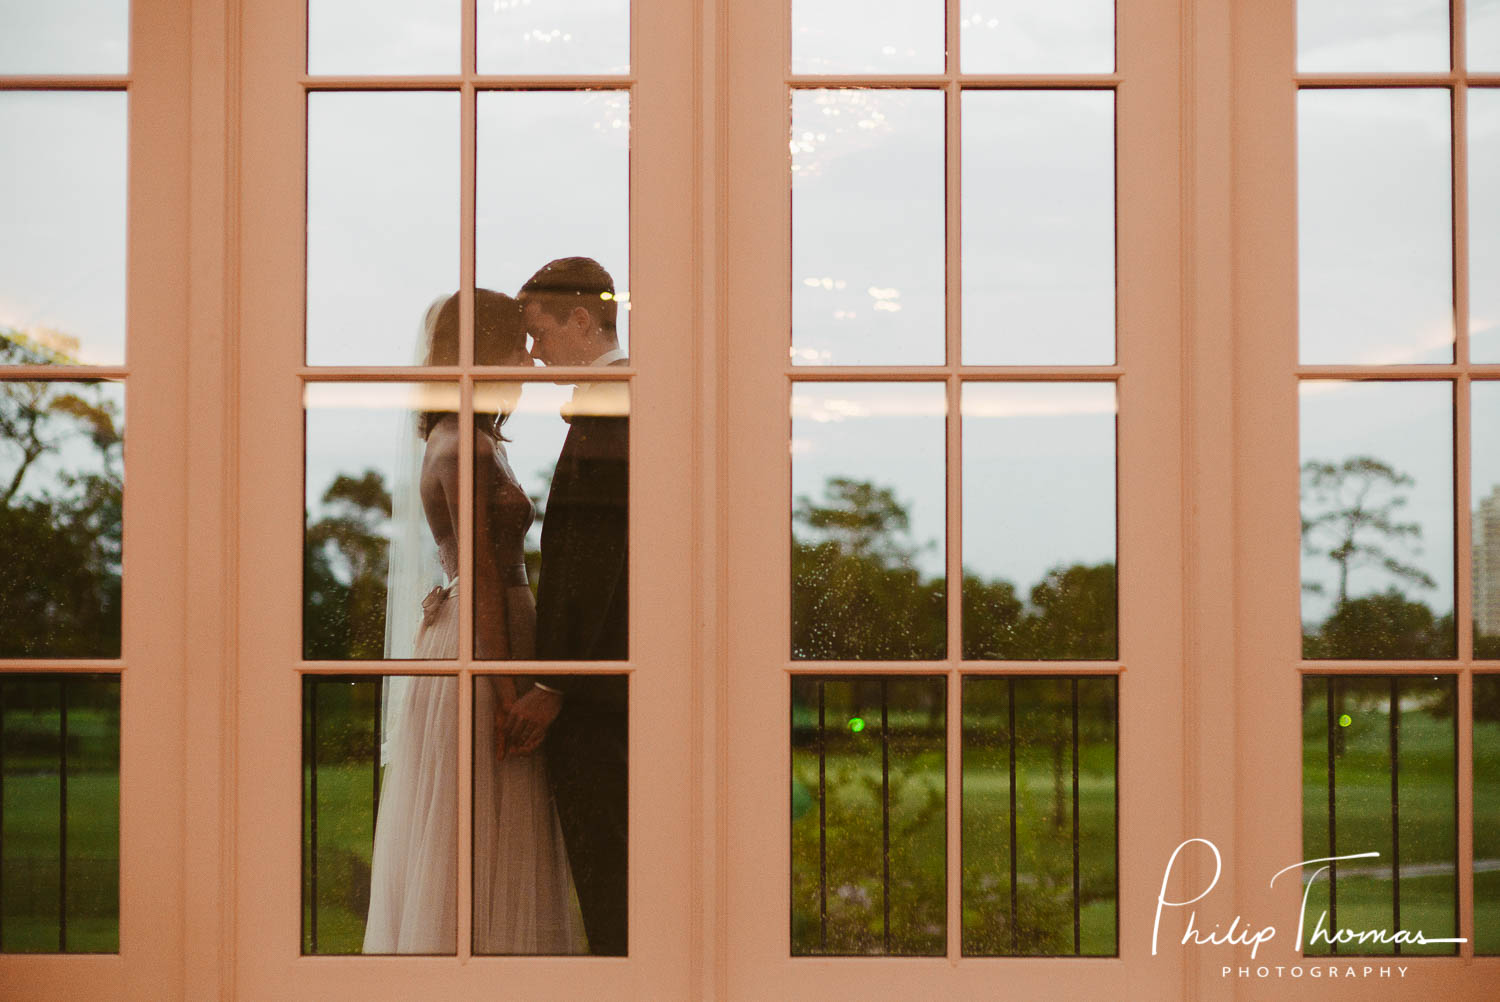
(1349, 514)
(344, 570)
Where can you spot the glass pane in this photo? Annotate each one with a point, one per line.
(1039, 228)
(1380, 776)
(550, 814)
(62, 482)
(1484, 487)
(1484, 35)
(554, 36)
(868, 521)
(1377, 520)
(60, 813)
(1039, 563)
(382, 222)
(868, 800)
(1372, 35)
(1040, 870)
(379, 814)
(883, 36)
(62, 210)
(1018, 36)
(1375, 226)
(562, 193)
(379, 578)
(1486, 814)
(383, 36)
(64, 36)
(551, 519)
(1484, 223)
(867, 227)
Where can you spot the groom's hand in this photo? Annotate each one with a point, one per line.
(529, 717)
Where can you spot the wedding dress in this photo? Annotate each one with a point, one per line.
(524, 901)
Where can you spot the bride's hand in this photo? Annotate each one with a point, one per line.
(529, 717)
(505, 698)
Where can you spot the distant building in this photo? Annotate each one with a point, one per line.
(1487, 565)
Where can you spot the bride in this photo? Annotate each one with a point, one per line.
(523, 891)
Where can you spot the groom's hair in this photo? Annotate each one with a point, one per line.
(568, 282)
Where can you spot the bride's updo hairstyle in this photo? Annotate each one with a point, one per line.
(499, 334)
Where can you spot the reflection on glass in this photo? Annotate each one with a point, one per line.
(869, 816)
(1380, 775)
(554, 36)
(62, 481)
(1373, 35)
(1018, 36)
(383, 36)
(1487, 814)
(1484, 221)
(550, 814)
(377, 579)
(60, 813)
(1484, 35)
(1375, 231)
(379, 814)
(554, 182)
(883, 36)
(382, 221)
(868, 521)
(1484, 487)
(1039, 228)
(1377, 520)
(867, 227)
(64, 36)
(1039, 520)
(62, 210)
(1040, 867)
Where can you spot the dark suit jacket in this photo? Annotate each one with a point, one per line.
(582, 595)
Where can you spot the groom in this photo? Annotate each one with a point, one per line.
(569, 309)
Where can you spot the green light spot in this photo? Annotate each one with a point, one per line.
(1345, 720)
(856, 724)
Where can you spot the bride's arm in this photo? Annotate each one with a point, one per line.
(491, 618)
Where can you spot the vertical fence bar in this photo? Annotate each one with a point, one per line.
(822, 822)
(885, 815)
(62, 815)
(310, 693)
(1331, 690)
(1395, 746)
(1077, 883)
(1010, 700)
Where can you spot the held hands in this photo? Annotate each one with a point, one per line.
(521, 723)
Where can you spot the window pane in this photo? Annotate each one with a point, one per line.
(382, 222)
(562, 193)
(873, 36)
(550, 815)
(868, 520)
(551, 521)
(1486, 814)
(379, 580)
(1373, 35)
(60, 813)
(1377, 520)
(64, 36)
(1484, 222)
(554, 36)
(1040, 872)
(868, 816)
(62, 482)
(1039, 228)
(62, 215)
(1039, 520)
(1380, 775)
(1018, 36)
(379, 814)
(867, 227)
(383, 36)
(1484, 487)
(1484, 35)
(1375, 221)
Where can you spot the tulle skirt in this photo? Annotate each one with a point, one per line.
(523, 891)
